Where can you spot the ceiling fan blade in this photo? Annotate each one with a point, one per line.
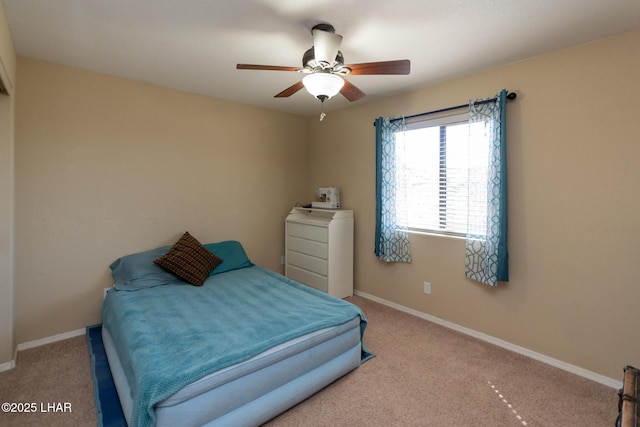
(402, 66)
(325, 45)
(290, 90)
(266, 67)
(351, 91)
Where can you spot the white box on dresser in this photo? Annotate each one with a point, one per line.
(319, 249)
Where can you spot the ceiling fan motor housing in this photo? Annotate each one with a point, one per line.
(309, 61)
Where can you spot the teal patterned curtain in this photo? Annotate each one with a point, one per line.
(392, 239)
(486, 247)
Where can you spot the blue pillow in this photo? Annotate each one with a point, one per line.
(138, 271)
(232, 254)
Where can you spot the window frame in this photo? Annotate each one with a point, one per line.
(441, 120)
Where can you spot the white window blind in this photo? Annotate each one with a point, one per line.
(444, 160)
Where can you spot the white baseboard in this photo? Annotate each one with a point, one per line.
(8, 365)
(37, 343)
(500, 343)
(59, 337)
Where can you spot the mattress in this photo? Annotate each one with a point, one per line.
(239, 350)
(252, 392)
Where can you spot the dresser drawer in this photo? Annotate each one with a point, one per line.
(308, 231)
(308, 247)
(311, 263)
(308, 278)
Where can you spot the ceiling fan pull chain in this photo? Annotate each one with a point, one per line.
(322, 114)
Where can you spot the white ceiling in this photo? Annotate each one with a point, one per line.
(194, 45)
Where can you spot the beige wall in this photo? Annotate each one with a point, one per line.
(107, 166)
(574, 156)
(7, 108)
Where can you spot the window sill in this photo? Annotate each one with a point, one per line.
(435, 234)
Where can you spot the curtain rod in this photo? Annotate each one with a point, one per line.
(510, 95)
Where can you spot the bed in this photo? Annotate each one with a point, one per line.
(237, 349)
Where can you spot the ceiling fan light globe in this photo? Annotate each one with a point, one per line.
(323, 84)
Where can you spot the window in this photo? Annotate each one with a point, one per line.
(441, 169)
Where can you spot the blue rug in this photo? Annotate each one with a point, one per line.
(104, 390)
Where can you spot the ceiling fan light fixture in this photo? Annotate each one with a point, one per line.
(323, 85)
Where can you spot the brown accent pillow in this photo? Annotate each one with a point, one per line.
(189, 260)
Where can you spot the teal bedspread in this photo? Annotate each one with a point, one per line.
(170, 336)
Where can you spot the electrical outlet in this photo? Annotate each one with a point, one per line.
(282, 260)
(427, 288)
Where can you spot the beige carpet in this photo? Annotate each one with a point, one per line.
(422, 375)
(51, 374)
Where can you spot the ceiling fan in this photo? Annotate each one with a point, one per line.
(324, 65)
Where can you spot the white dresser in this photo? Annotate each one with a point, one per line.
(319, 249)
